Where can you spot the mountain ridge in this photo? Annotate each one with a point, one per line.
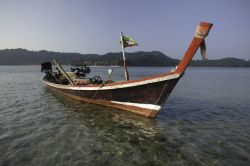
(22, 56)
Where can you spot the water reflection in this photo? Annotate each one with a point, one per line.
(103, 116)
(109, 135)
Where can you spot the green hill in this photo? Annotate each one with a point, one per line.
(25, 57)
(154, 58)
(225, 62)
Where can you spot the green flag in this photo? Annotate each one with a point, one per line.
(128, 41)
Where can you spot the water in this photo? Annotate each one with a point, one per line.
(206, 121)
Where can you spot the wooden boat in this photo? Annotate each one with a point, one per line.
(141, 96)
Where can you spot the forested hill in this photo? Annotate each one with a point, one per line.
(153, 58)
(25, 57)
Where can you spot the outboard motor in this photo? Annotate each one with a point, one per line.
(46, 67)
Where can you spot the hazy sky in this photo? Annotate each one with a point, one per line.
(93, 26)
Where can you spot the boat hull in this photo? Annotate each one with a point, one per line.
(145, 99)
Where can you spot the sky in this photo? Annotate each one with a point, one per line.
(94, 26)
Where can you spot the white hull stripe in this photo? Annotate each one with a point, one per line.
(109, 87)
(146, 106)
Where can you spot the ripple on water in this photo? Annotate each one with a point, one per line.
(201, 123)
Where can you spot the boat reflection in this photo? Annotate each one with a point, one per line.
(104, 117)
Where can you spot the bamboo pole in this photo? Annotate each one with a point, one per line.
(124, 60)
(63, 72)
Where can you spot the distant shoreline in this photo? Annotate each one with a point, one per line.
(23, 57)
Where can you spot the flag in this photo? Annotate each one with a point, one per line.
(128, 41)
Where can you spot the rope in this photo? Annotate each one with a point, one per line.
(97, 91)
(93, 97)
(200, 33)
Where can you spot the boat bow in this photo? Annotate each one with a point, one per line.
(198, 41)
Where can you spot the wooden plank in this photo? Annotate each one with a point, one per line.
(63, 72)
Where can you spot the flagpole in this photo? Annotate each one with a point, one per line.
(124, 60)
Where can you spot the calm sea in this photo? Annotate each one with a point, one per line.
(206, 121)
